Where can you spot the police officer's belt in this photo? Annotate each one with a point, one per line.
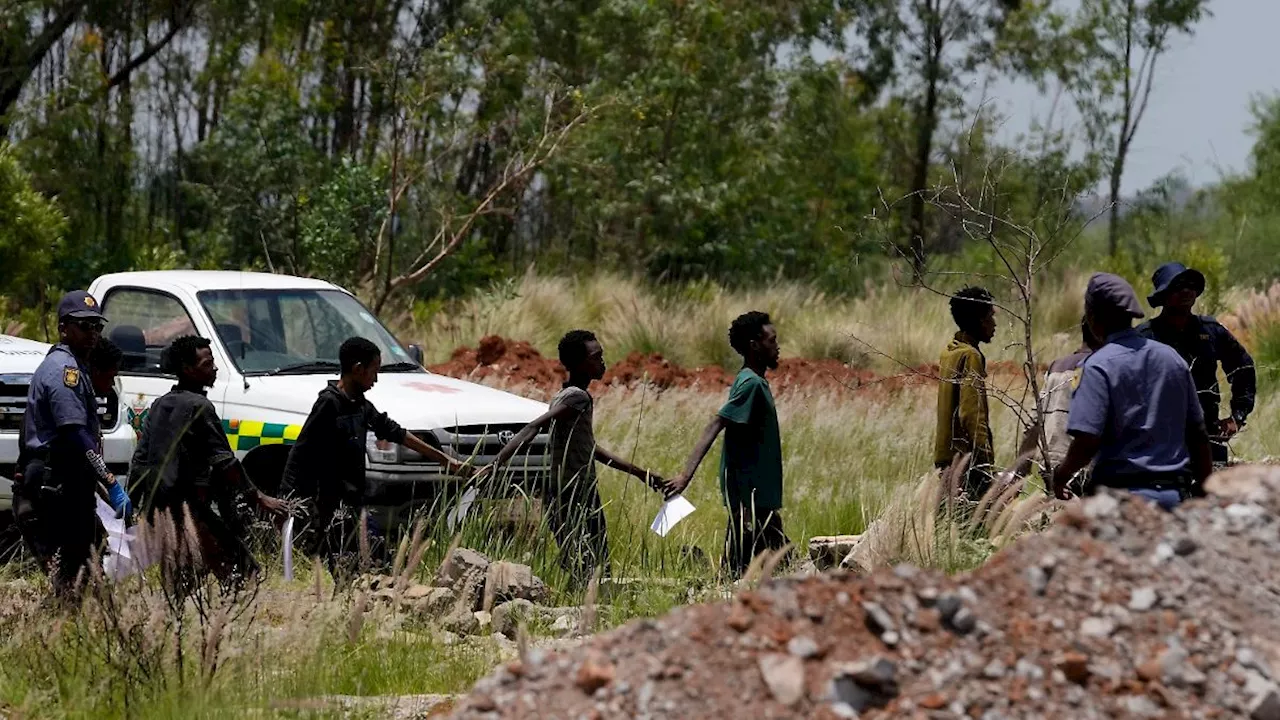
(1180, 481)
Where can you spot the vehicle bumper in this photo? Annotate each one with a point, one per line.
(117, 450)
(398, 484)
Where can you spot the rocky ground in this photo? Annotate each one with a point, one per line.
(1120, 610)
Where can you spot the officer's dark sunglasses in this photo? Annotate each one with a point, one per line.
(90, 325)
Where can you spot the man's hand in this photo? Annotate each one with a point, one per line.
(677, 485)
(1059, 486)
(1228, 427)
(659, 485)
(275, 506)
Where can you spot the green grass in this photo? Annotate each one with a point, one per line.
(850, 458)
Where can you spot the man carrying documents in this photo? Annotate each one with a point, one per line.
(571, 496)
(751, 466)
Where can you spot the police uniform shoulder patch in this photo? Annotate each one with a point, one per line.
(71, 377)
(1075, 377)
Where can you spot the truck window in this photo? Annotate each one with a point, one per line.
(266, 331)
(143, 323)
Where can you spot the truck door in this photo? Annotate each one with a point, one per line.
(142, 322)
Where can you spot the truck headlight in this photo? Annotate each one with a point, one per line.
(381, 451)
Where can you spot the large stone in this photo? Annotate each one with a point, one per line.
(462, 622)
(1245, 483)
(784, 676)
(507, 581)
(508, 616)
(461, 564)
(438, 602)
(827, 551)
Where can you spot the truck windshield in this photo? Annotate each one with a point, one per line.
(283, 332)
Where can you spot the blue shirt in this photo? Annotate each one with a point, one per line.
(60, 395)
(1137, 395)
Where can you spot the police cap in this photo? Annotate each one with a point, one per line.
(79, 305)
(1107, 292)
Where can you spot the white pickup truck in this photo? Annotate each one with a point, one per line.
(275, 340)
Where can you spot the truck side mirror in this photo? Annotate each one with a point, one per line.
(415, 352)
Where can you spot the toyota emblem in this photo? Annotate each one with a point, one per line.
(506, 436)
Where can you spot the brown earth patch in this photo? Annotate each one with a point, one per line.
(514, 363)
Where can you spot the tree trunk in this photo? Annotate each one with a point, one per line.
(926, 123)
(1113, 212)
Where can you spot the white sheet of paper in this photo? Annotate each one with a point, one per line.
(287, 532)
(118, 537)
(459, 513)
(672, 512)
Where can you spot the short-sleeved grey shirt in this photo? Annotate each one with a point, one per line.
(573, 439)
(60, 395)
(1137, 395)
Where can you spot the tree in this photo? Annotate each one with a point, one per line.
(944, 42)
(31, 230)
(30, 29)
(1113, 50)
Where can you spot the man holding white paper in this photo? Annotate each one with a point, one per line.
(751, 464)
(571, 496)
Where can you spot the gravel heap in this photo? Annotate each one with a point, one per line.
(1119, 610)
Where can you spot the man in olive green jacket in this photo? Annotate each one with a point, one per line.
(964, 422)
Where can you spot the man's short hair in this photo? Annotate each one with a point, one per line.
(182, 352)
(573, 347)
(357, 351)
(746, 328)
(106, 355)
(969, 306)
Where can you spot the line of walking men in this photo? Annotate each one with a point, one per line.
(1137, 407)
(185, 475)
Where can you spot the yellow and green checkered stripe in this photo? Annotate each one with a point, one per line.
(249, 434)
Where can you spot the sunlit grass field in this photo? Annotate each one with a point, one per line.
(848, 456)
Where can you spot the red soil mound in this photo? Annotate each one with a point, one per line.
(517, 363)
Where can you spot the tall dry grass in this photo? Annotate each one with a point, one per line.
(878, 329)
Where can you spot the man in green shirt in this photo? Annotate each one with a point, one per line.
(964, 420)
(751, 466)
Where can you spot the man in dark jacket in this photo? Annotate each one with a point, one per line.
(327, 463)
(1204, 343)
(184, 465)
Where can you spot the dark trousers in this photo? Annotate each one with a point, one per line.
(575, 515)
(219, 539)
(751, 531)
(58, 524)
(1164, 489)
(335, 539)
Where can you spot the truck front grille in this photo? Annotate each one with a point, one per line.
(13, 404)
(479, 444)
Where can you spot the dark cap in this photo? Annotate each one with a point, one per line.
(80, 305)
(1169, 273)
(1111, 292)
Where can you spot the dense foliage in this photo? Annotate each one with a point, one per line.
(423, 147)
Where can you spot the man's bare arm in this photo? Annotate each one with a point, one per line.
(418, 445)
(653, 480)
(527, 434)
(680, 482)
(1081, 452)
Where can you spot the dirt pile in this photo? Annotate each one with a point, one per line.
(1120, 610)
(517, 363)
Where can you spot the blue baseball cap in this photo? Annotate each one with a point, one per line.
(79, 305)
(1111, 292)
(1167, 274)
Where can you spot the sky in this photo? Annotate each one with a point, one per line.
(1198, 119)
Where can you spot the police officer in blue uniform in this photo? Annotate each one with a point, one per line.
(1204, 344)
(1135, 408)
(62, 452)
